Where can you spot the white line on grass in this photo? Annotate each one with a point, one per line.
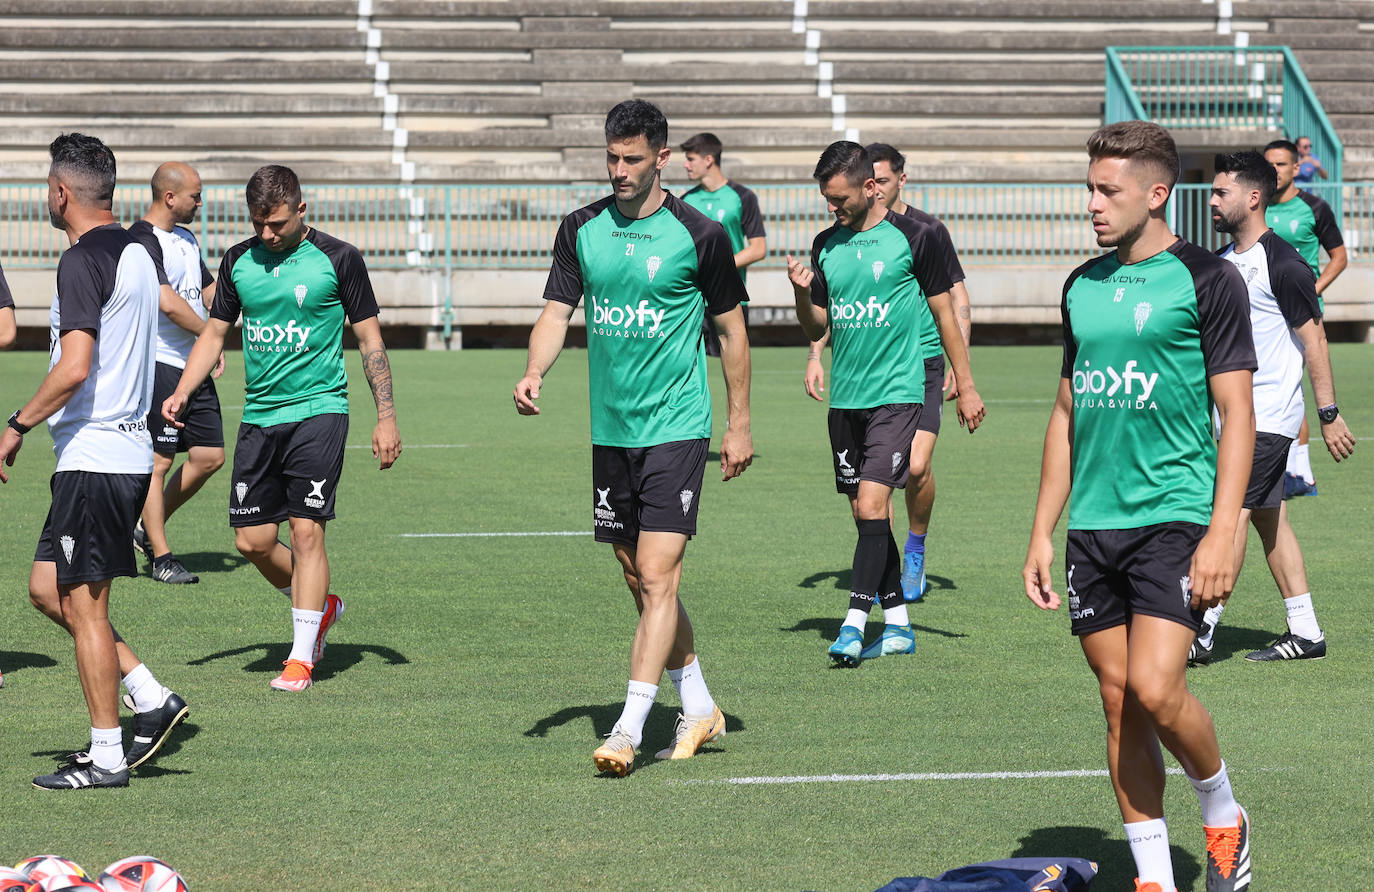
(926, 776)
(492, 535)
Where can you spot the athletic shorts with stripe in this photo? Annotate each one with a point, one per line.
(1116, 574)
(646, 489)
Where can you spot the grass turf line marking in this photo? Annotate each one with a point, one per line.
(492, 535)
(926, 776)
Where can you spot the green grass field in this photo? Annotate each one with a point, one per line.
(447, 744)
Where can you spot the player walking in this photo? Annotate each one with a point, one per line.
(1307, 223)
(294, 285)
(870, 276)
(95, 399)
(1287, 326)
(649, 266)
(889, 167)
(183, 307)
(1154, 332)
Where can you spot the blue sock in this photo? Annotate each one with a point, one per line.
(915, 544)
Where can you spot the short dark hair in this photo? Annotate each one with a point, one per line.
(848, 158)
(1286, 144)
(1142, 141)
(881, 151)
(86, 166)
(1251, 171)
(704, 144)
(271, 186)
(637, 117)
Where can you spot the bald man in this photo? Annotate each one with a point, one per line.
(183, 308)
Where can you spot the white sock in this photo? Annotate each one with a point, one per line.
(147, 693)
(285, 590)
(1219, 807)
(856, 618)
(1303, 462)
(1150, 848)
(107, 747)
(1210, 618)
(896, 616)
(1292, 467)
(639, 698)
(305, 626)
(1302, 617)
(691, 687)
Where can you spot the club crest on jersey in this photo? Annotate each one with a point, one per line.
(896, 461)
(1142, 313)
(720, 215)
(1185, 584)
(1293, 226)
(652, 265)
(301, 291)
(240, 490)
(878, 267)
(686, 496)
(68, 546)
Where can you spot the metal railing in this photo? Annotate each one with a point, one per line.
(1222, 88)
(512, 226)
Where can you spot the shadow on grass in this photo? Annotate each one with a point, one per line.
(338, 658)
(1232, 640)
(211, 561)
(842, 579)
(659, 726)
(12, 661)
(829, 627)
(182, 733)
(1112, 854)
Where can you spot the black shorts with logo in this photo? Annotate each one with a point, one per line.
(935, 395)
(89, 533)
(1115, 574)
(1266, 471)
(653, 489)
(287, 470)
(204, 423)
(872, 444)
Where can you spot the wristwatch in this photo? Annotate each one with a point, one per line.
(1328, 414)
(20, 429)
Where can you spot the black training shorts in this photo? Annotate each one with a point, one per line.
(935, 395)
(287, 470)
(89, 533)
(647, 489)
(873, 444)
(204, 423)
(1115, 574)
(1265, 489)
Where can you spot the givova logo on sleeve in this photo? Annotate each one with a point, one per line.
(1107, 388)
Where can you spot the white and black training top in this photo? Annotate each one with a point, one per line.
(1283, 298)
(107, 284)
(177, 253)
(6, 299)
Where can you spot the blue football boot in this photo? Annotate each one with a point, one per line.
(913, 576)
(845, 650)
(894, 640)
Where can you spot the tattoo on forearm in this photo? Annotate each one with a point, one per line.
(378, 371)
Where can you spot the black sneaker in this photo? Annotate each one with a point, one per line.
(141, 540)
(77, 776)
(169, 569)
(1228, 856)
(1199, 654)
(1290, 647)
(152, 728)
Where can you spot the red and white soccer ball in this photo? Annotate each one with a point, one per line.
(40, 867)
(70, 883)
(12, 880)
(141, 873)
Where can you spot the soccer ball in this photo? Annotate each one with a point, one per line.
(40, 867)
(12, 880)
(141, 873)
(71, 883)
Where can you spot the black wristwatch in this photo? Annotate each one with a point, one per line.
(17, 427)
(1328, 414)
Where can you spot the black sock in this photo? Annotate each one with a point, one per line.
(890, 591)
(161, 558)
(870, 559)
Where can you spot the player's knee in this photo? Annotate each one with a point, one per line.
(253, 545)
(210, 462)
(1158, 697)
(1113, 692)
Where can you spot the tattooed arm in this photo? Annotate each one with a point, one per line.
(386, 437)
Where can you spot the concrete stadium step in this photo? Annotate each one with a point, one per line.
(407, 71)
(181, 40)
(219, 139)
(902, 74)
(181, 10)
(248, 71)
(183, 104)
(679, 39)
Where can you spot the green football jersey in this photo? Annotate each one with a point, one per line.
(293, 306)
(1307, 223)
(931, 343)
(648, 283)
(1140, 342)
(736, 208)
(873, 285)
